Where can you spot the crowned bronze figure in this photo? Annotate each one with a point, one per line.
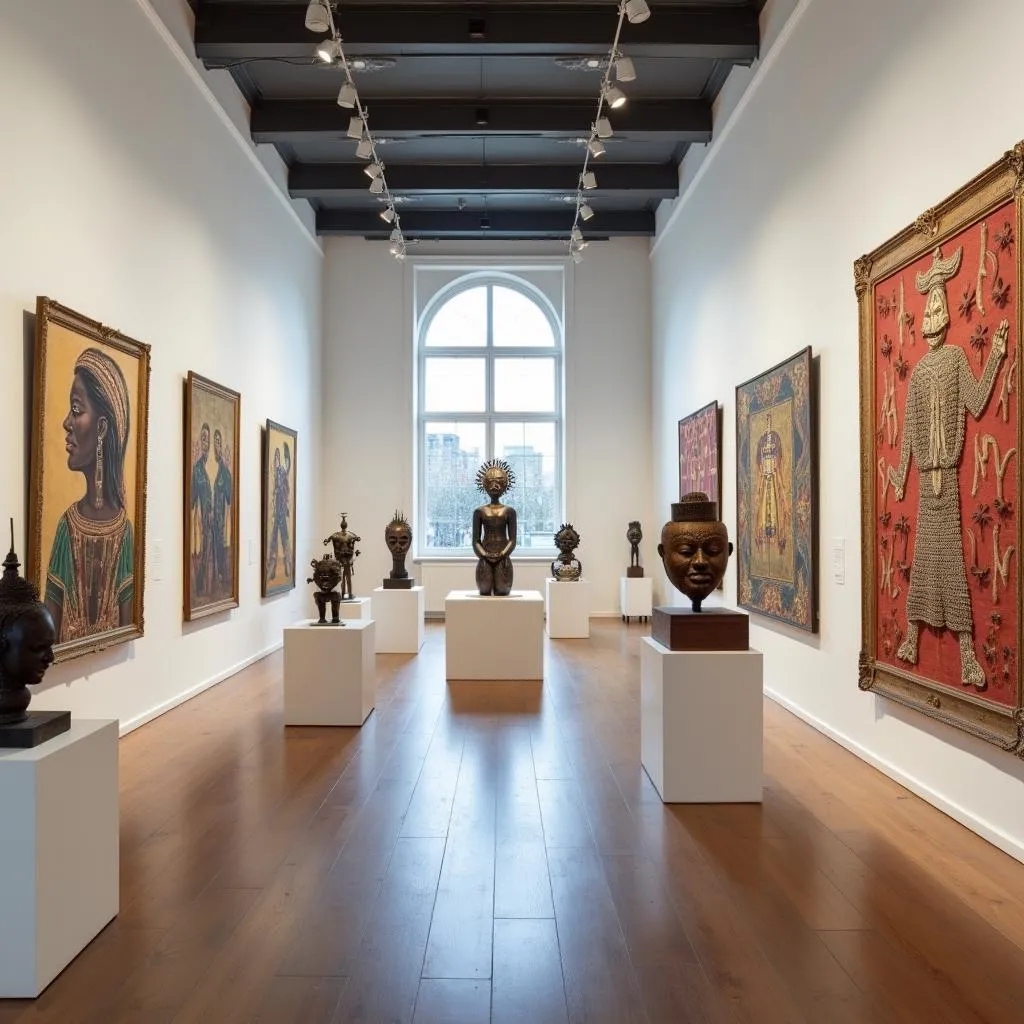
(695, 547)
(398, 537)
(326, 575)
(567, 568)
(494, 530)
(27, 636)
(634, 535)
(344, 543)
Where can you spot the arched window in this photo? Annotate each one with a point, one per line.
(489, 386)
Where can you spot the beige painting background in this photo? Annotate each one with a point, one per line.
(778, 566)
(277, 439)
(219, 412)
(62, 487)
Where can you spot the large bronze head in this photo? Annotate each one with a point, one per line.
(398, 535)
(695, 547)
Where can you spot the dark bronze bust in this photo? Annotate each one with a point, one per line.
(567, 568)
(695, 547)
(326, 575)
(494, 530)
(634, 535)
(398, 537)
(27, 637)
(344, 543)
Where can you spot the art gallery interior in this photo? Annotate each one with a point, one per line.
(460, 843)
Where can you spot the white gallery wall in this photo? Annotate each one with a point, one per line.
(369, 417)
(124, 195)
(861, 117)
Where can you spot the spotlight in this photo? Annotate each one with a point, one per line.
(585, 211)
(576, 236)
(318, 17)
(355, 128)
(373, 170)
(596, 147)
(603, 128)
(365, 149)
(613, 96)
(328, 51)
(347, 95)
(577, 255)
(387, 214)
(396, 236)
(624, 70)
(377, 185)
(637, 11)
(588, 180)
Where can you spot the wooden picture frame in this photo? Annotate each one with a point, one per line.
(210, 537)
(940, 315)
(278, 516)
(90, 408)
(700, 453)
(777, 493)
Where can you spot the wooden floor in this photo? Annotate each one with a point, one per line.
(494, 852)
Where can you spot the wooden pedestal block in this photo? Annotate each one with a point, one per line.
(712, 629)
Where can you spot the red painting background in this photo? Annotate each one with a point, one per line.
(698, 433)
(939, 652)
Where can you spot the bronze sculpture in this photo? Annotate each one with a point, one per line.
(344, 543)
(494, 530)
(634, 535)
(695, 547)
(567, 568)
(398, 537)
(326, 575)
(27, 636)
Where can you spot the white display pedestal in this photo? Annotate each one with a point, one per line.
(568, 609)
(357, 608)
(329, 673)
(58, 852)
(636, 595)
(701, 724)
(494, 637)
(399, 618)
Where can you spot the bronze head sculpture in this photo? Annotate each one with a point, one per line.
(398, 537)
(326, 575)
(695, 547)
(494, 530)
(344, 543)
(567, 568)
(27, 636)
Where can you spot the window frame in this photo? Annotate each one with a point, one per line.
(488, 278)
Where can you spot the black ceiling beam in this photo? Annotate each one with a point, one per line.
(326, 181)
(227, 32)
(554, 224)
(683, 120)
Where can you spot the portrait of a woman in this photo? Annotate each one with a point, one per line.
(90, 577)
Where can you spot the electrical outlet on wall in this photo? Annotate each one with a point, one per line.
(839, 560)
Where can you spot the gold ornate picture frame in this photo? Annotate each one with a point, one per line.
(87, 503)
(940, 316)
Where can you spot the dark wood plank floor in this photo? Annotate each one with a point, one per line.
(494, 852)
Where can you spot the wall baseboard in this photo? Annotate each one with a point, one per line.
(1008, 844)
(206, 684)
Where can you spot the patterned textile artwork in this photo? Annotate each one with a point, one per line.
(776, 493)
(700, 453)
(940, 319)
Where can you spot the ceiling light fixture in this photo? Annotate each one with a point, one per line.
(612, 96)
(320, 18)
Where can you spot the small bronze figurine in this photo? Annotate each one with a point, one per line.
(695, 547)
(326, 575)
(494, 530)
(27, 636)
(634, 535)
(398, 537)
(345, 552)
(567, 568)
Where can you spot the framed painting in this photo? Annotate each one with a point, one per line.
(700, 453)
(777, 493)
(940, 316)
(210, 509)
(280, 461)
(87, 505)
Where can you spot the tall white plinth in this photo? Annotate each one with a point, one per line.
(58, 852)
(567, 607)
(701, 724)
(494, 637)
(399, 617)
(636, 595)
(356, 608)
(329, 673)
